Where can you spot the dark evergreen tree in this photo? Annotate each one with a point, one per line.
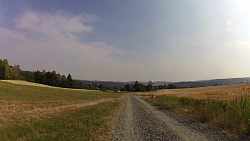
(136, 86)
(69, 81)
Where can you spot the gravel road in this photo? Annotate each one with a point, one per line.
(139, 121)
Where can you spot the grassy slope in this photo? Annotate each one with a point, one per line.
(21, 92)
(21, 107)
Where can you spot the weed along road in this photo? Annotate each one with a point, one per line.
(139, 121)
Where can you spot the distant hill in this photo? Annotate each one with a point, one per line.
(214, 82)
(120, 84)
(106, 83)
(201, 83)
(157, 83)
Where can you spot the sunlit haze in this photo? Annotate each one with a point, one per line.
(169, 40)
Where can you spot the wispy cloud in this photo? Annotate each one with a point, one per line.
(54, 26)
(231, 27)
(53, 41)
(242, 45)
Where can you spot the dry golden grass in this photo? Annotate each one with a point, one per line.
(25, 111)
(215, 92)
(21, 82)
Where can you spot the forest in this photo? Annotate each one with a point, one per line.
(51, 78)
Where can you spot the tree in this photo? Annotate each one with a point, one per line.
(1, 69)
(171, 86)
(40, 77)
(102, 87)
(58, 79)
(136, 86)
(6, 69)
(142, 87)
(28, 76)
(69, 78)
(165, 86)
(129, 87)
(15, 72)
(69, 81)
(150, 86)
(77, 84)
(63, 82)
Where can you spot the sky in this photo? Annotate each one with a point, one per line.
(126, 40)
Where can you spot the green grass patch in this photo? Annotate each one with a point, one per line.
(62, 124)
(21, 92)
(79, 125)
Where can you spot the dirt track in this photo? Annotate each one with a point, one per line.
(140, 121)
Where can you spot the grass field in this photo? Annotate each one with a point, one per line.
(225, 107)
(214, 92)
(43, 113)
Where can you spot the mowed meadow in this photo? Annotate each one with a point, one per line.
(46, 113)
(225, 108)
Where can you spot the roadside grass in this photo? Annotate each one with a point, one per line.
(79, 125)
(231, 116)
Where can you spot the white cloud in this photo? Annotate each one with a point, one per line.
(243, 5)
(53, 26)
(239, 44)
(49, 41)
(58, 22)
(232, 27)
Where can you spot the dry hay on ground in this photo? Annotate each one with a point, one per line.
(21, 82)
(24, 111)
(215, 92)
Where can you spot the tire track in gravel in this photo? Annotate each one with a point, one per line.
(139, 121)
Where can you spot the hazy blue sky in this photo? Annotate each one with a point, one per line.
(125, 40)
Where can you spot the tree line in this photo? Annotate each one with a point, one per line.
(52, 78)
(139, 87)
